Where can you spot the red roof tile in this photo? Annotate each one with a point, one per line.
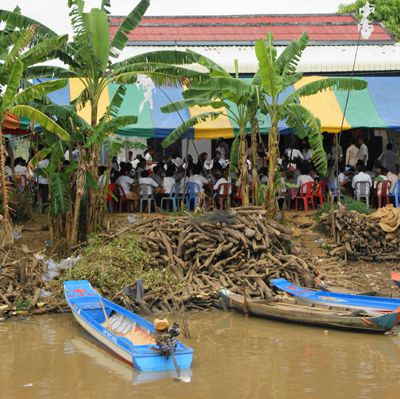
(244, 29)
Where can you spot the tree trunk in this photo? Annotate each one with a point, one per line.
(273, 149)
(255, 181)
(243, 166)
(8, 237)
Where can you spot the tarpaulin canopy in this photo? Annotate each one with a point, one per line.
(377, 106)
(15, 125)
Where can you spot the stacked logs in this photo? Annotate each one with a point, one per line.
(361, 237)
(239, 250)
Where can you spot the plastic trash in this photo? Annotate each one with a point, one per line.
(44, 293)
(132, 218)
(17, 233)
(28, 385)
(53, 269)
(39, 256)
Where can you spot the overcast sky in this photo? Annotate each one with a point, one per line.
(54, 13)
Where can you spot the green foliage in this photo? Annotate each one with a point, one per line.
(234, 158)
(183, 128)
(111, 266)
(386, 11)
(350, 203)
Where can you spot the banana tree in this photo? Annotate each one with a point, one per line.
(91, 58)
(275, 75)
(234, 98)
(15, 100)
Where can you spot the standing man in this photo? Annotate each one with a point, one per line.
(352, 154)
(388, 159)
(363, 152)
(223, 149)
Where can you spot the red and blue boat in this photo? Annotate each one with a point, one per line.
(374, 304)
(128, 335)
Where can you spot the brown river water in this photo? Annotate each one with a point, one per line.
(51, 357)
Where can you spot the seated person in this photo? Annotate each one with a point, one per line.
(158, 175)
(168, 181)
(304, 176)
(360, 176)
(219, 180)
(381, 177)
(198, 178)
(146, 179)
(125, 182)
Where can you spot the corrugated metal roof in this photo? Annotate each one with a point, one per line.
(315, 59)
(189, 30)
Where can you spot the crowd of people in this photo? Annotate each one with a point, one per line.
(354, 173)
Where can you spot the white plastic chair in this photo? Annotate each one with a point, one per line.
(362, 190)
(146, 194)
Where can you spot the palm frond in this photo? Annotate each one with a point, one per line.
(7, 40)
(109, 127)
(22, 22)
(201, 102)
(268, 71)
(44, 50)
(183, 128)
(39, 117)
(38, 91)
(305, 125)
(39, 156)
(105, 5)
(12, 86)
(329, 83)
(129, 24)
(47, 71)
(58, 193)
(115, 103)
(288, 60)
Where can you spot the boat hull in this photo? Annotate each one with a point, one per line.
(319, 317)
(374, 304)
(142, 357)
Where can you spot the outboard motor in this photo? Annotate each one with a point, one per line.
(166, 336)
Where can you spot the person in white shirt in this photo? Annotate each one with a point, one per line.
(145, 179)
(263, 175)
(218, 189)
(20, 168)
(136, 161)
(148, 155)
(198, 178)
(332, 154)
(125, 182)
(361, 176)
(43, 183)
(293, 154)
(304, 177)
(168, 181)
(363, 152)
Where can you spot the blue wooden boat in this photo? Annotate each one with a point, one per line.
(285, 309)
(125, 333)
(395, 277)
(374, 304)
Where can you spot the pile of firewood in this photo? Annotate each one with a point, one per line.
(361, 236)
(240, 250)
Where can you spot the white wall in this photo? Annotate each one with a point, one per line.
(203, 145)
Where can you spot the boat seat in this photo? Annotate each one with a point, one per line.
(138, 337)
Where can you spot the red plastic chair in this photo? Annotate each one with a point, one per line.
(237, 196)
(224, 196)
(122, 198)
(320, 192)
(306, 196)
(384, 188)
(111, 197)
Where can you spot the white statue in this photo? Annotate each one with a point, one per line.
(147, 85)
(365, 27)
